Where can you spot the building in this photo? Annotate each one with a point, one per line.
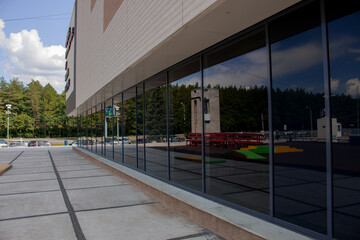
(277, 67)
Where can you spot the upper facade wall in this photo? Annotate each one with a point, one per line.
(113, 35)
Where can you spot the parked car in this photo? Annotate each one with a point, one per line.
(39, 143)
(74, 143)
(15, 144)
(32, 144)
(44, 144)
(3, 143)
(125, 140)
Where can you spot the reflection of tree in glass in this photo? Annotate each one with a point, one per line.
(180, 108)
(241, 108)
(129, 117)
(156, 112)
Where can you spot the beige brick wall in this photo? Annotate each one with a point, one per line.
(137, 27)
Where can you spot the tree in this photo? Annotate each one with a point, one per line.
(33, 95)
(48, 106)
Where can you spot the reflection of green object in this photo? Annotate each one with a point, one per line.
(108, 112)
(198, 159)
(252, 152)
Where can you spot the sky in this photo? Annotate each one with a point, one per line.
(32, 40)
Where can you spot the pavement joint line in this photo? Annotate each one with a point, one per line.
(76, 225)
(88, 176)
(74, 170)
(113, 207)
(190, 236)
(118, 185)
(35, 180)
(32, 216)
(21, 174)
(15, 158)
(59, 165)
(19, 193)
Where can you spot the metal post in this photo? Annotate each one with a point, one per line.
(311, 122)
(8, 107)
(7, 133)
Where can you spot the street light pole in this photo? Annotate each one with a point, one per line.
(117, 122)
(184, 115)
(8, 106)
(311, 123)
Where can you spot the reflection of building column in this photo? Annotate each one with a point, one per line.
(311, 124)
(184, 117)
(358, 117)
(106, 128)
(211, 104)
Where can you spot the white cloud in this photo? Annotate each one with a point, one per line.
(352, 87)
(354, 50)
(28, 58)
(296, 59)
(334, 84)
(246, 71)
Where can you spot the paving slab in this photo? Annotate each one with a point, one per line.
(5, 178)
(87, 182)
(28, 187)
(136, 222)
(39, 228)
(31, 204)
(62, 168)
(84, 173)
(16, 171)
(115, 196)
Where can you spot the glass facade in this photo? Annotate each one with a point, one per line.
(266, 121)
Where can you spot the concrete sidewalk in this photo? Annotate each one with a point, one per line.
(55, 193)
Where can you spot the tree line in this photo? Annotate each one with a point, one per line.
(36, 111)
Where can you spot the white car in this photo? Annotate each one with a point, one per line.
(3, 143)
(126, 140)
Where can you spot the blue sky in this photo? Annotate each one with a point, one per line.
(32, 39)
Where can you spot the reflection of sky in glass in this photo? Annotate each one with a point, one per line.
(192, 79)
(297, 62)
(344, 40)
(247, 70)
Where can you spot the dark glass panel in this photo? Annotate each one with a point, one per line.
(344, 43)
(235, 117)
(298, 109)
(155, 127)
(109, 140)
(92, 122)
(185, 160)
(101, 119)
(140, 125)
(129, 138)
(118, 147)
(96, 129)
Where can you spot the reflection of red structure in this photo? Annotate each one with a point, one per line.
(226, 140)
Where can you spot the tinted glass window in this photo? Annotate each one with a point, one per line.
(235, 117)
(344, 42)
(129, 125)
(299, 118)
(156, 127)
(185, 159)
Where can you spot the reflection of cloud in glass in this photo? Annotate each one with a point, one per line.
(334, 84)
(295, 59)
(192, 79)
(354, 50)
(353, 87)
(338, 44)
(246, 71)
